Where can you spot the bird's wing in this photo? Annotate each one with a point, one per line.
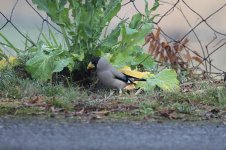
(120, 76)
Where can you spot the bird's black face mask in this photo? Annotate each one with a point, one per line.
(93, 63)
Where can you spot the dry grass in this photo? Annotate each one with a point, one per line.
(199, 101)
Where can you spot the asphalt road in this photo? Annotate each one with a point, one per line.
(53, 134)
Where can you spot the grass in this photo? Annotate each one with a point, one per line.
(21, 96)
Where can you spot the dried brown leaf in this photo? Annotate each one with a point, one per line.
(36, 101)
(164, 45)
(175, 54)
(157, 34)
(187, 56)
(148, 38)
(198, 59)
(103, 112)
(152, 47)
(155, 54)
(170, 114)
(79, 113)
(161, 56)
(184, 42)
(95, 117)
(130, 106)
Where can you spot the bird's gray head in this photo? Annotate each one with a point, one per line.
(98, 63)
(102, 64)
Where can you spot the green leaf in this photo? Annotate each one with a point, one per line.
(131, 37)
(155, 6)
(136, 21)
(107, 56)
(120, 60)
(61, 64)
(55, 10)
(145, 60)
(46, 60)
(79, 57)
(112, 38)
(40, 66)
(112, 9)
(166, 80)
(133, 58)
(53, 37)
(130, 31)
(146, 8)
(46, 39)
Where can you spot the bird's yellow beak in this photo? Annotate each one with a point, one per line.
(90, 66)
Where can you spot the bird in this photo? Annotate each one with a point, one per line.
(109, 76)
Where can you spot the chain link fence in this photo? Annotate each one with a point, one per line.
(206, 40)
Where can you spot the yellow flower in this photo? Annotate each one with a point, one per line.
(3, 64)
(11, 61)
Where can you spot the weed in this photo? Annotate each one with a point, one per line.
(127, 106)
(11, 86)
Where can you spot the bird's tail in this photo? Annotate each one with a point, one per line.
(141, 79)
(132, 80)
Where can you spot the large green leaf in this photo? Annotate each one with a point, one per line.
(166, 80)
(46, 60)
(56, 10)
(124, 59)
(112, 9)
(40, 66)
(120, 60)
